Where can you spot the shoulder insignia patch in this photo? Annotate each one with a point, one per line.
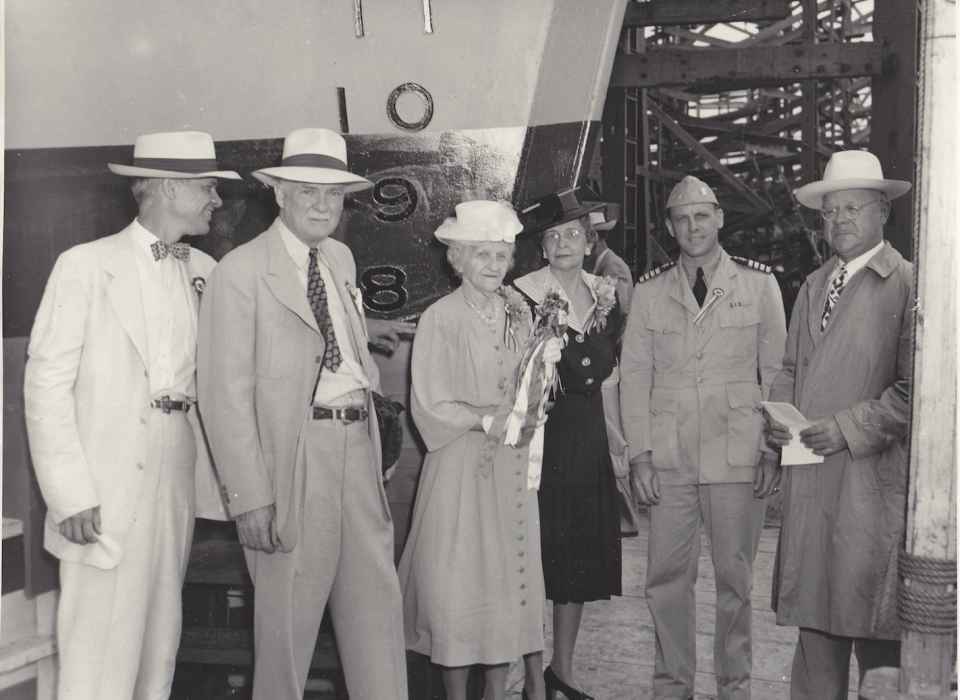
(753, 264)
(654, 272)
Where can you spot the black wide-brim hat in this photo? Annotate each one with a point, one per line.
(555, 209)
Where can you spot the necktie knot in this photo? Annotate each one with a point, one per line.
(160, 250)
(700, 287)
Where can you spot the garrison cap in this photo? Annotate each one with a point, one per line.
(690, 190)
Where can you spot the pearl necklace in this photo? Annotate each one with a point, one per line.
(490, 320)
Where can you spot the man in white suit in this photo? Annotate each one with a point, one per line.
(285, 381)
(109, 387)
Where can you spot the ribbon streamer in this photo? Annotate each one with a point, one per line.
(711, 302)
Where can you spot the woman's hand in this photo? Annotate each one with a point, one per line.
(551, 350)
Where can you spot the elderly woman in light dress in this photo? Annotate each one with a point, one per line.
(470, 572)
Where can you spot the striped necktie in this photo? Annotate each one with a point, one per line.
(833, 294)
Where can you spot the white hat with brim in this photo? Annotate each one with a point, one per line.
(850, 170)
(179, 155)
(480, 221)
(605, 219)
(317, 156)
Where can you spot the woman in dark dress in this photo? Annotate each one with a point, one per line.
(579, 517)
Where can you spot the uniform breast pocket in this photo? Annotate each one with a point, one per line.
(744, 424)
(739, 331)
(664, 429)
(668, 335)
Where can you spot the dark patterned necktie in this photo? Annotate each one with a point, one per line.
(317, 296)
(700, 287)
(833, 295)
(160, 250)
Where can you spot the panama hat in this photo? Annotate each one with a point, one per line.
(555, 209)
(606, 218)
(480, 221)
(175, 154)
(850, 170)
(318, 156)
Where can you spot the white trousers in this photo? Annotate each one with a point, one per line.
(119, 629)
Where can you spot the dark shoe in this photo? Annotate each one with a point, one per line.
(523, 695)
(554, 684)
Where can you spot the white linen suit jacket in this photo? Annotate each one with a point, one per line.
(87, 395)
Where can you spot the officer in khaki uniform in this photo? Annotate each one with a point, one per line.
(704, 340)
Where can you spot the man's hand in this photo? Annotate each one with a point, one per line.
(645, 482)
(385, 335)
(258, 529)
(766, 480)
(778, 435)
(824, 437)
(83, 527)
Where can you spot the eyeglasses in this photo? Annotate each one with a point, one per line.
(849, 211)
(570, 234)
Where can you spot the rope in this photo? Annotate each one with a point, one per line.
(929, 612)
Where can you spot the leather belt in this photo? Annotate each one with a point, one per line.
(346, 415)
(166, 405)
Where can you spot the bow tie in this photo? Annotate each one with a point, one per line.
(181, 251)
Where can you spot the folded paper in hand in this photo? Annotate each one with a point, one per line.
(795, 452)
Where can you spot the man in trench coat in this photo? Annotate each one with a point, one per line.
(847, 369)
(113, 428)
(285, 381)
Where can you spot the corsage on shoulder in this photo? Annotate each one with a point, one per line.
(517, 311)
(605, 290)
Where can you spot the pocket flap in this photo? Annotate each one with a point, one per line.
(744, 395)
(666, 324)
(664, 402)
(739, 317)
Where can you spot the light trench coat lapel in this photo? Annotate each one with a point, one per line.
(281, 277)
(123, 290)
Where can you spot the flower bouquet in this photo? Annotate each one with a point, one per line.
(519, 419)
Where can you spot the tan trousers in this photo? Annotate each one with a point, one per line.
(821, 663)
(119, 629)
(733, 520)
(344, 557)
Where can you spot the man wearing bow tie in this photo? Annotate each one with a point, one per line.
(704, 341)
(113, 430)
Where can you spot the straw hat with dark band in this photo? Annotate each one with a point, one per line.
(177, 154)
(317, 156)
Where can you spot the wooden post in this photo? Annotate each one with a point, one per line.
(927, 659)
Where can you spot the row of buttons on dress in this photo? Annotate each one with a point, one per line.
(522, 569)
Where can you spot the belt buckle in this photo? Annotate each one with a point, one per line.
(344, 418)
(165, 404)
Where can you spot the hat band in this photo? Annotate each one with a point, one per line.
(313, 160)
(180, 165)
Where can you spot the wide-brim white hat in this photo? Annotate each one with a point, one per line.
(318, 156)
(606, 218)
(850, 170)
(480, 221)
(175, 154)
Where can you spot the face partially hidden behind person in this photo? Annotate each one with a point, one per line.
(565, 245)
(482, 265)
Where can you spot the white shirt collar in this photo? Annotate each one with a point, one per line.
(538, 284)
(298, 250)
(858, 263)
(143, 238)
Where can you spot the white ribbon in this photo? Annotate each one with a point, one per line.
(518, 415)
